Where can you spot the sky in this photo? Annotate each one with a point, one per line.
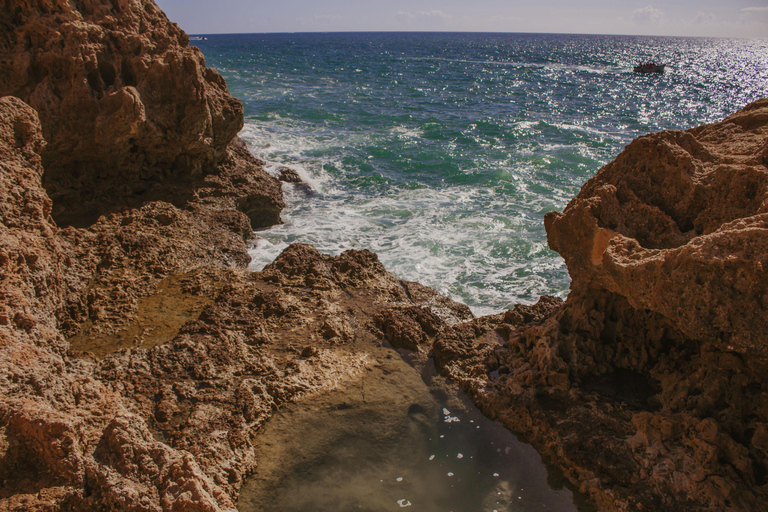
(712, 18)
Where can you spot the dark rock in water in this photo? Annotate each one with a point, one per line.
(646, 386)
(305, 188)
(291, 176)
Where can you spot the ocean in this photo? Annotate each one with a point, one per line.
(442, 152)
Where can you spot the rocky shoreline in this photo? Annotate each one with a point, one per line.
(647, 385)
(139, 359)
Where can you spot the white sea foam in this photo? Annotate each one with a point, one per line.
(406, 133)
(465, 242)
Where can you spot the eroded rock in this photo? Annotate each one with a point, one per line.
(677, 225)
(130, 111)
(647, 386)
(187, 356)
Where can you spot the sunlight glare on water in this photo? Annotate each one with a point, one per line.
(443, 152)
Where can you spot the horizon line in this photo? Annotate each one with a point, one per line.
(461, 32)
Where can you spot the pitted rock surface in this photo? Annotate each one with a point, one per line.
(647, 387)
(129, 110)
(138, 363)
(138, 359)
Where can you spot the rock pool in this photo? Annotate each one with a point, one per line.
(399, 437)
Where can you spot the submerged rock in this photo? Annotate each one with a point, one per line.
(646, 386)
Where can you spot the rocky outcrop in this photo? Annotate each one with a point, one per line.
(166, 419)
(138, 359)
(677, 225)
(32, 259)
(194, 355)
(129, 110)
(53, 412)
(181, 366)
(647, 386)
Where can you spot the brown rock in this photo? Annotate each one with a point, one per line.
(289, 175)
(409, 327)
(128, 108)
(32, 261)
(193, 356)
(52, 411)
(646, 386)
(676, 225)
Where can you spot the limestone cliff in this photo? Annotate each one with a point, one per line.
(647, 387)
(136, 363)
(128, 109)
(195, 355)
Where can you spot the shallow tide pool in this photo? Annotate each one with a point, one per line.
(397, 438)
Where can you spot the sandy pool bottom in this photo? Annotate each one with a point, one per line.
(398, 438)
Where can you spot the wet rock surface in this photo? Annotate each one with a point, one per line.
(647, 385)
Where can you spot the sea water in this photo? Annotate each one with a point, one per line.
(442, 152)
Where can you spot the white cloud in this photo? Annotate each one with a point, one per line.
(433, 14)
(754, 14)
(704, 18)
(409, 17)
(649, 15)
(405, 17)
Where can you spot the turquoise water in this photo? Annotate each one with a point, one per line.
(443, 152)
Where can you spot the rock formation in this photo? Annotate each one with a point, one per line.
(138, 359)
(647, 386)
(136, 362)
(166, 419)
(128, 109)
